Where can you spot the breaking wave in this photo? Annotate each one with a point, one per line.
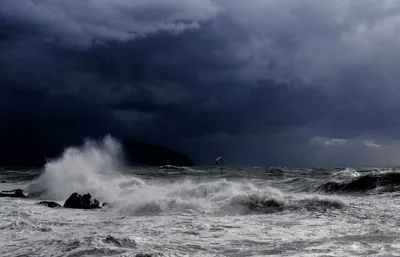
(90, 168)
(221, 197)
(93, 168)
(382, 181)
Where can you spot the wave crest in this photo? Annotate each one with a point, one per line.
(383, 182)
(90, 168)
(93, 168)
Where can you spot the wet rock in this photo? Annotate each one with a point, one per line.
(50, 204)
(17, 193)
(77, 201)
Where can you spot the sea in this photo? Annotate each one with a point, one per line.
(196, 211)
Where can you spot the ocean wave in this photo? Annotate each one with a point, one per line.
(319, 202)
(120, 242)
(347, 173)
(251, 203)
(21, 220)
(93, 168)
(259, 203)
(178, 169)
(382, 181)
(256, 203)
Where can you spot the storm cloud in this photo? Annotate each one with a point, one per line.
(262, 82)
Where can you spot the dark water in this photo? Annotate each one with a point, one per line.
(320, 179)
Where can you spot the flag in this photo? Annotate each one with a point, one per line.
(218, 160)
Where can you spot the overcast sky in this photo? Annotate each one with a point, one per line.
(263, 82)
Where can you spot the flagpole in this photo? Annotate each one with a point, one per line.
(219, 161)
(221, 167)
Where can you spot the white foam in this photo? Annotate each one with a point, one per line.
(348, 172)
(191, 196)
(91, 168)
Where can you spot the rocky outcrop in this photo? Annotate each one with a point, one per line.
(77, 201)
(50, 204)
(17, 193)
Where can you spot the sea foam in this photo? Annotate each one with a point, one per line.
(90, 168)
(94, 168)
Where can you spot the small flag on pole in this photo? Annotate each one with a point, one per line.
(218, 160)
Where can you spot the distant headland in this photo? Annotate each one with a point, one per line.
(35, 154)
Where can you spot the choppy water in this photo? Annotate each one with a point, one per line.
(252, 211)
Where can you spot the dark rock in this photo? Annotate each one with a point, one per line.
(78, 201)
(50, 204)
(17, 193)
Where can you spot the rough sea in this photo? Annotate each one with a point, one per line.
(181, 211)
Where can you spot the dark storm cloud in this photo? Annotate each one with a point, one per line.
(264, 76)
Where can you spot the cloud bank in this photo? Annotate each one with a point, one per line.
(262, 82)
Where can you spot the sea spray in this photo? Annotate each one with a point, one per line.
(94, 168)
(212, 197)
(91, 168)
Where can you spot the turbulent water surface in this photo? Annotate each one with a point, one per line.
(177, 211)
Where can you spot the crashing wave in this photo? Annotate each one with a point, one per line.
(93, 169)
(385, 182)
